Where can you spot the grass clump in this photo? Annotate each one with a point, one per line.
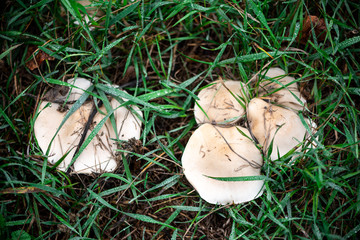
(174, 48)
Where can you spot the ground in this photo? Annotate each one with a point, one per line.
(173, 49)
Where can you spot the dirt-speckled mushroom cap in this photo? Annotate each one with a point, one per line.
(283, 88)
(222, 152)
(99, 155)
(219, 104)
(273, 123)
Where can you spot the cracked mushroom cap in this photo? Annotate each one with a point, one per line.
(273, 123)
(100, 154)
(222, 152)
(219, 104)
(286, 93)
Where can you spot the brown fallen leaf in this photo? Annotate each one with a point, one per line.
(21, 190)
(38, 57)
(315, 23)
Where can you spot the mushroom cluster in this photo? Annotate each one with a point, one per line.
(62, 144)
(221, 152)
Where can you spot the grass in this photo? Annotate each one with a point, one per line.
(175, 48)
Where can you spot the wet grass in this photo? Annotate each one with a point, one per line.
(174, 48)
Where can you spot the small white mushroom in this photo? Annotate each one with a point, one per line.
(100, 154)
(270, 123)
(285, 93)
(217, 103)
(92, 12)
(214, 151)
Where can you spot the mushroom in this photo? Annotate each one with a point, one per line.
(221, 103)
(269, 123)
(214, 151)
(92, 12)
(100, 154)
(283, 89)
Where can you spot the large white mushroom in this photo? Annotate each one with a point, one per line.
(282, 88)
(214, 151)
(270, 123)
(221, 103)
(99, 155)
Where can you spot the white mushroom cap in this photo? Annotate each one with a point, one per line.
(272, 123)
(99, 155)
(222, 152)
(46, 125)
(82, 84)
(92, 12)
(288, 95)
(219, 104)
